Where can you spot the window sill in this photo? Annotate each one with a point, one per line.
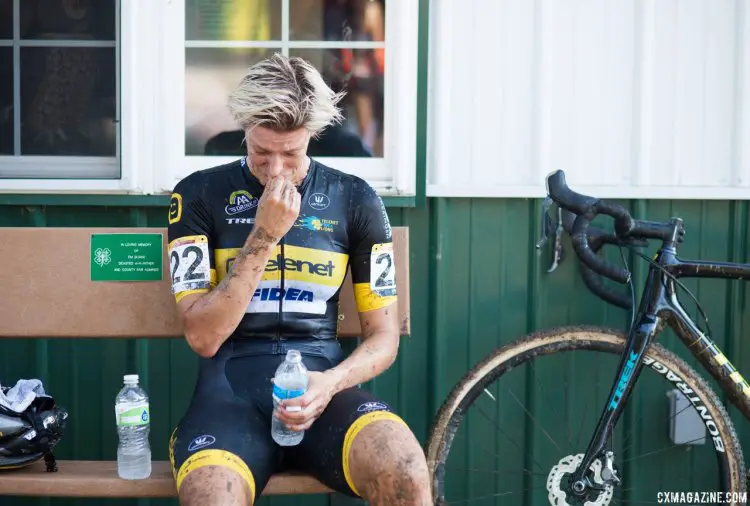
(119, 200)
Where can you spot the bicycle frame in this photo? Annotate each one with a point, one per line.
(659, 306)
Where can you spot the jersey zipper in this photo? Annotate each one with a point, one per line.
(281, 299)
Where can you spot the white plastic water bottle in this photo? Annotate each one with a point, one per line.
(133, 426)
(289, 381)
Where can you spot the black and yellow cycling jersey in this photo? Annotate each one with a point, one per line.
(342, 224)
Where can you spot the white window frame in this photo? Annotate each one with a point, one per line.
(82, 173)
(392, 175)
(151, 117)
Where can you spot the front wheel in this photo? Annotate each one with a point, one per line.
(515, 427)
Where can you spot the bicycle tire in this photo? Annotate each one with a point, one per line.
(547, 342)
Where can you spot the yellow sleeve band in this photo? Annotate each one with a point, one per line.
(367, 300)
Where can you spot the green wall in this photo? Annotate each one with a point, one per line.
(477, 283)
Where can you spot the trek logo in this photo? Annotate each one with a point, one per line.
(386, 221)
(201, 442)
(240, 201)
(240, 221)
(266, 294)
(626, 373)
(316, 224)
(290, 264)
(319, 201)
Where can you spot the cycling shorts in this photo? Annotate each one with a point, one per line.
(228, 423)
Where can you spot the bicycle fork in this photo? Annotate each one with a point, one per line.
(631, 363)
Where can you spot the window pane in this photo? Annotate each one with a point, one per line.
(358, 73)
(210, 76)
(233, 19)
(68, 19)
(6, 19)
(360, 20)
(6, 101)
(68, 101)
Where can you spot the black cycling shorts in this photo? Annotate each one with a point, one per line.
(228, 424)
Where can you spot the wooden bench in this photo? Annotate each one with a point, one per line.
(48, 271)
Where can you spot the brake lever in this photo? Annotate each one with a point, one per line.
(548, 228)
(558, 253)
(547, 224)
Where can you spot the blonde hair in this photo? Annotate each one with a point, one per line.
(284, 93)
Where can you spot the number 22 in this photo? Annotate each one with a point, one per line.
(190, 274)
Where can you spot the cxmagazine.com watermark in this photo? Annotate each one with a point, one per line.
(701, 497)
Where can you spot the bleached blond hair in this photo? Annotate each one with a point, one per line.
(284, 93)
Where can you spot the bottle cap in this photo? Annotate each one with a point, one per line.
(294, 356)
(131, 378)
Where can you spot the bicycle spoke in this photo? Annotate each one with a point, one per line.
(504, 433)
(499, 494)
(686, 477)
(661, 450)
(550, 404)
(641, 418)
(499, 471)
(583, 418)
(494, 453)
(536, 423)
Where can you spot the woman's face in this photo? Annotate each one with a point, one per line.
(272, 153)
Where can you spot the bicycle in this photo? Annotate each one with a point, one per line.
(594, 475)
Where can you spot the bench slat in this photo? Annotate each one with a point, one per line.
(89, 478)
(51, 294)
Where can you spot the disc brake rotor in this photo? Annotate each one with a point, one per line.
(567, 466)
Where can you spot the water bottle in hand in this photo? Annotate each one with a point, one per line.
(133, 425)
(289, 381)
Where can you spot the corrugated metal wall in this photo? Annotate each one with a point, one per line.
(477, 283)
(634, 98)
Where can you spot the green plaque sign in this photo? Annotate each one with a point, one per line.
(126, 257)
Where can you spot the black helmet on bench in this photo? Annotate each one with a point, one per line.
(28, 436)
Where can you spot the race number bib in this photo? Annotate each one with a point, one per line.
(383, 270)
(189, 263)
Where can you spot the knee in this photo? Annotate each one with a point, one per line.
(409, 475)
(403, 479)
(214, 485)
(391, 466)
(208, 485)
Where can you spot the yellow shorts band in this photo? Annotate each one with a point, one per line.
(172, 439)
(359, 424)
(216, 458)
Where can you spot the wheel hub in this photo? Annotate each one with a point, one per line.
(560, 485)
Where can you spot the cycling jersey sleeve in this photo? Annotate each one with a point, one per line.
(371, 256)
(191, 258)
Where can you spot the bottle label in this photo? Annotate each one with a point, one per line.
(130, 415)
(282, 393)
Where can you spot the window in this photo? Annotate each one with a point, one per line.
(59, 89)
(130, 96)
(347, 40)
